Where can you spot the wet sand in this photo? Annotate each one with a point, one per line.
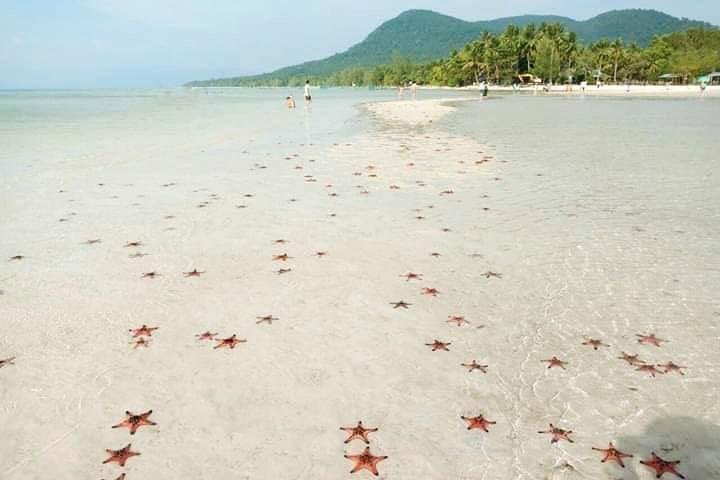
(379, 280)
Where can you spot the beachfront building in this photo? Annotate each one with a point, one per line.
(710, 79)
(671, 78)
(528, 79)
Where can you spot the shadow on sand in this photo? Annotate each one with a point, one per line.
(694, 442)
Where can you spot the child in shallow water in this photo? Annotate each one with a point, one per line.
(290, 102)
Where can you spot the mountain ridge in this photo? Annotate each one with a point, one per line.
(426, 35)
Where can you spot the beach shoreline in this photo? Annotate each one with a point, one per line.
(659, 91)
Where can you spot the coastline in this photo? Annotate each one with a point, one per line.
(676, 91)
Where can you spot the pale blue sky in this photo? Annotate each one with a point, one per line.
(120, 43)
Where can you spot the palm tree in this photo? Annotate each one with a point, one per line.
(601, 52)
(491, 55)
(528, 40)
(616, 50)
(510, 45)
(473, 58)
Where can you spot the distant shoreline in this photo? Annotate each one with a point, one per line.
(676, 91)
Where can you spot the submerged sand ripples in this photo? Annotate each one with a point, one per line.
(551, 263)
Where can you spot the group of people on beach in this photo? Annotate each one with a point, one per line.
(290, 100)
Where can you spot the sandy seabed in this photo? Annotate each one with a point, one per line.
(309, 258)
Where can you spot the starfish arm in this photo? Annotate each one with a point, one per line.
(357, 468)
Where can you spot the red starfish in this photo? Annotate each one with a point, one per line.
(206, 335)
(631, 359)
(284, 270)
(430, 291)
(412, 276)
(193, 273)
(648, 368)
(7, 361)
(120, 456)
(613, 454)
(284, 257)
(478, 422)
(400, 304)
(229, 342)
(133, 422)
(359, 432)
(662, 466)
(143, 331)
(594, 343)
(366, 461)
(133, 244)
(475, 366)
(671, 367)
(650, 339)
(558, 434)
(140, 342)
(150, 275)
(438, 345)
(555, 362)
(458, 320)
(267, 319)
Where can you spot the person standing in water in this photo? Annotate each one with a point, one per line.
(308, 97)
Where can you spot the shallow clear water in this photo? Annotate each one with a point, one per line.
(51, 125)
(601, 215)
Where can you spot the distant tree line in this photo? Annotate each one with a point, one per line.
(547, 51)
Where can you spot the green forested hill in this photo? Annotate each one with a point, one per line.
(423, 35)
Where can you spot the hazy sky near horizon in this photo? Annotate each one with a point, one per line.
(153, 43)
